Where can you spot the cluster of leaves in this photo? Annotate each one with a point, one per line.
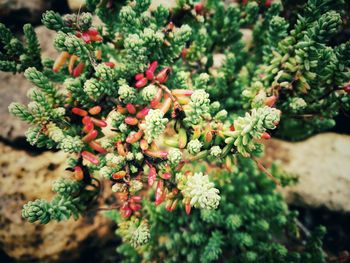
(303, 68)
(15, 55)
(250, 218)
(250, 55)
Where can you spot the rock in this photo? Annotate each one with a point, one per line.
(23, 10)
(165, 3)
(322, 163)
(15, 87)
(24, 177)
(75, 5)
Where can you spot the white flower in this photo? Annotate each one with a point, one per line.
(148, 92)
(201, 192)
(215, 151)
(194, 146)
(174, 156)
(155, 124)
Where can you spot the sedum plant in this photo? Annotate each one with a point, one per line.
(106, 102)
(140, 104)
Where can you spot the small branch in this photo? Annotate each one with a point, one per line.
(262, 168)
(167, 90)
(100, 209)
(303, 228)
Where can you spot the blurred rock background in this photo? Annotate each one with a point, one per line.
(322, 164)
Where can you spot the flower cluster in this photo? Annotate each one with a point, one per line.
(135, 232)
(198, 191)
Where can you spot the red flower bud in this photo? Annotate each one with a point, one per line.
(139, 76)
(149, 74)
(97, 147)
(265, 136)
(171, 205)
(209, 136)
(162, 76)
(90, 157)
(121, 109)
(184, 53)
(88, 127)
(153, 66)
(86, 120)
(131, 121)
(78, 69)
(71, 63)
(168, 204)
(166, 176)
(119, 175)
(86, 37)
(61, 59)
(134, 137)
(182, 92)
(95, 110)
(80, 112)
(92, 31)
(78, 173)
(135, 207)
(154, 103)
(151, 69)
(142, 113)
(156, 154)
(96, 38)
(98, 54)
(126, 211)
(166, 105)
(99, 123)
(136, 198)
(90, 136)
(174, 205)
(131, 108)
(109, 64)
(141, 83)
(188, 208)
(199, 8)
(347, 88)
(123, 196)
(170, 26)
(268, 3)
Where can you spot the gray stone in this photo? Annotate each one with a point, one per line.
(23, 178)
(323, 166)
